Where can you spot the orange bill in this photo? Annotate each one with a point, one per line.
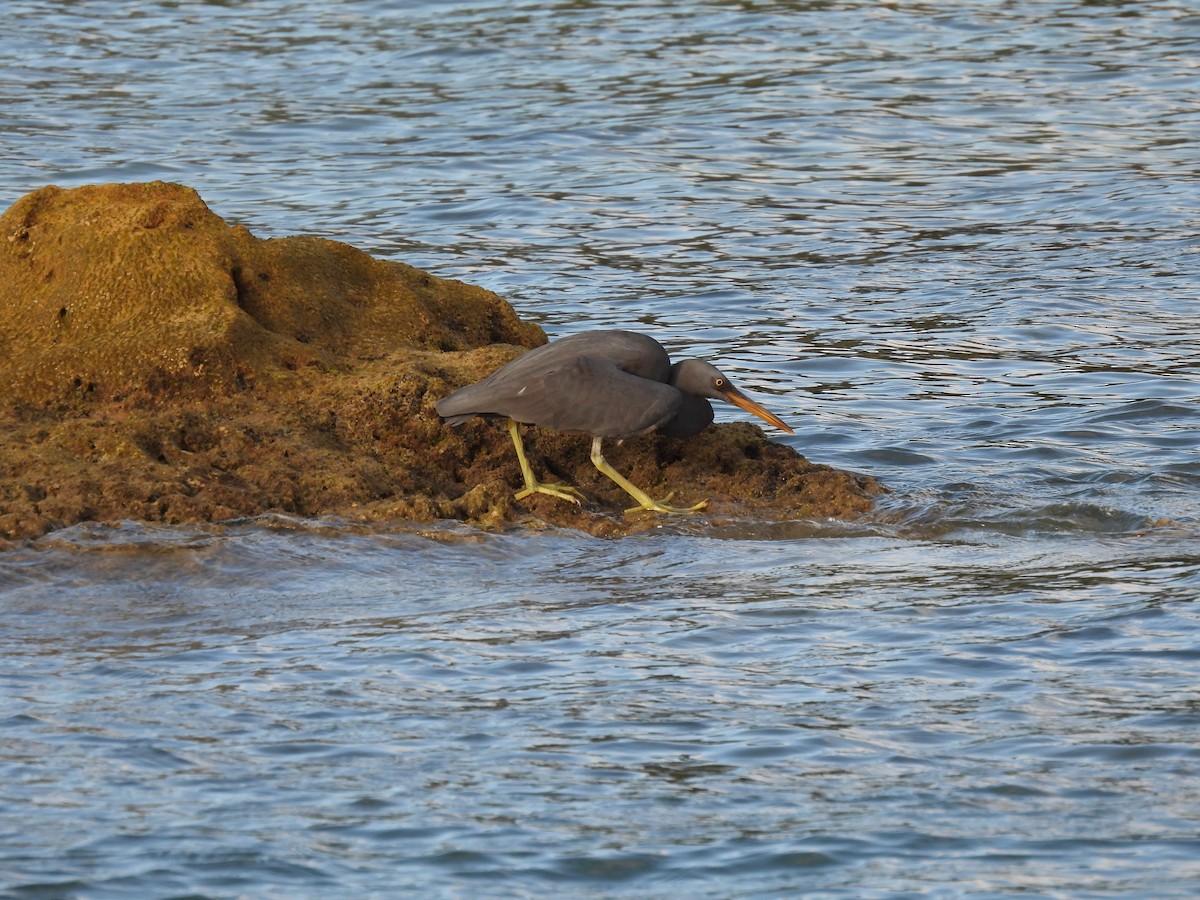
(737, 398)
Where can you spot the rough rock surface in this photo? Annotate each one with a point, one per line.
(159, 364)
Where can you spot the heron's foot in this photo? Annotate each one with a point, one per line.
(660, 506)
(562, 491)
(645, 502)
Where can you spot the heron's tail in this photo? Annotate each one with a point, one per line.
(456, 408)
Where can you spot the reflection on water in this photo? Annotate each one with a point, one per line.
(953, 243)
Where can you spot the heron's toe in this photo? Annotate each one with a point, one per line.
(661, 507)
(562, 491)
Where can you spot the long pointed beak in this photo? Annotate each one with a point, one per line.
(737, 398)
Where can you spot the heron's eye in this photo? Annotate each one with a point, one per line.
(720, 382)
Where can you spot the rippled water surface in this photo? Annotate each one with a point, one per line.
(954, 244)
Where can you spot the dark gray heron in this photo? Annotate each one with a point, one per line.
(608, 384)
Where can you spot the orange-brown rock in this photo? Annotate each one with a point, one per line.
(159, 364)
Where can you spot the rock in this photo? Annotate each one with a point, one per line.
(165, 366)
(121, 288)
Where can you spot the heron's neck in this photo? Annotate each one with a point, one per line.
(687, 377)
(676, 371)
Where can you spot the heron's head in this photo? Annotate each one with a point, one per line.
(695, 376)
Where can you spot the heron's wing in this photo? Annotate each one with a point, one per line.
(586, 393)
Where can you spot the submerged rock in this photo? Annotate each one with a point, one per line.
(162, 365)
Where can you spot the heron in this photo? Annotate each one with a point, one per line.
(609, 384)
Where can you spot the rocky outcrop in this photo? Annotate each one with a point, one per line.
(160, 364)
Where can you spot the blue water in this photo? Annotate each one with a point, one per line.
(953, 244)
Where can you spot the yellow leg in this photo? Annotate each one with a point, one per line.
(532, 485)
(645, 503)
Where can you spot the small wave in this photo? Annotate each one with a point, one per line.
(940, 517)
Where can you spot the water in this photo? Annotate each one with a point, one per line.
(954, 244)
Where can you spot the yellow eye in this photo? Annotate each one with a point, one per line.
(720, 382)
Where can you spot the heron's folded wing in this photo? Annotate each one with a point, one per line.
(589, 394)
